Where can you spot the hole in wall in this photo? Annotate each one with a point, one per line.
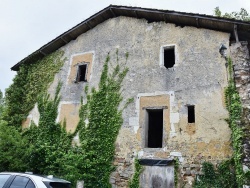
(191, 114)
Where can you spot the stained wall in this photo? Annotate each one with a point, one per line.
(198, 78)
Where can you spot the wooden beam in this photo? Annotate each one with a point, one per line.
(236, 33)
(43, 53)
(197, 22)
(112, 12)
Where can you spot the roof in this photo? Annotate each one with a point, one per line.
(49, 178)
(152, 15)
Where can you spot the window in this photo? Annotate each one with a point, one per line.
(81, 73)
(168, 56)
(30, 185)
(80, 68)
(191, 114)
(3, 179)
(57, 184)
(19, 182)
(155, 128)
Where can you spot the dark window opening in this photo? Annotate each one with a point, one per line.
(81, 75)
(169, 57)
(155, 128)
(191, 114)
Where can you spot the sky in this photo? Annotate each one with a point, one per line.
(26, 25)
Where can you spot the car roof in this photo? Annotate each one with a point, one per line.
(49, 178)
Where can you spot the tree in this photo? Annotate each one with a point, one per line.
(1, 104)
(48, 141)
(12, 145)
(241, 15)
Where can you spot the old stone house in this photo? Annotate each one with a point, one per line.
(177, 77)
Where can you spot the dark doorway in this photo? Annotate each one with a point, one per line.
(155, 128)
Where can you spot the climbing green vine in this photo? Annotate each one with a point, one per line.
(100, 121)
(47, 148)
(176, 171)
(48, 143)
(235, 108)
(30, 81)
(135, 181)
(222, 177)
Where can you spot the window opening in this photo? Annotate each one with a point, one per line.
(191, 114)
(169, 57)
(81, 73)
(155, 128)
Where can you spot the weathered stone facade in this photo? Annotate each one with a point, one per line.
(241, 62)
(198, 78)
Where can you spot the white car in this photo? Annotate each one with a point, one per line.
(27, 180)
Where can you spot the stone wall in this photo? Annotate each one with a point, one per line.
(241, 63)
(198, 78)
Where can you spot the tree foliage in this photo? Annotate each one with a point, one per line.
(12, 149)
(241, 15)
(48, 141)
(2, 104)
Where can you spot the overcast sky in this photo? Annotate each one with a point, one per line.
(26, 25)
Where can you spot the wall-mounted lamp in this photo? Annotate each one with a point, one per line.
(222, 50)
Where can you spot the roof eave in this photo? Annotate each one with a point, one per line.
(182, 18)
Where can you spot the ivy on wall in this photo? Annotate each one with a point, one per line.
(99, 133)
(30, 81)
(222, 177)
(47, 148)
(176, 171)
(235, 108)
(48, 142)
(135, 181)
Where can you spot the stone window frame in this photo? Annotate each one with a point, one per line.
(168, 46)
(142, 106)
(78, 58)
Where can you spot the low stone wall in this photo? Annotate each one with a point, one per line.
(124, 171)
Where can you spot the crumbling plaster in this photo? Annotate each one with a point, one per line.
(197, 78)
